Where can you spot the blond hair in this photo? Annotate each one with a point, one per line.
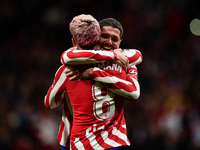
(85, 30)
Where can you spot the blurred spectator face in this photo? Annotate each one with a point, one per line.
(110, 38)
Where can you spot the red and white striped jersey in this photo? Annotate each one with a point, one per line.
(97, 104)
(73, 56)
(98, 113)
(56, 96)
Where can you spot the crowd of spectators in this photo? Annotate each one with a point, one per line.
(33, 35)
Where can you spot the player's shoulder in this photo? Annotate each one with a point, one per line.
(72, 48)
(134, 55)
(60, 69)
(132, 51)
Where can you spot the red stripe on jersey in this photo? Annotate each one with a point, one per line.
(114, 86)
(117, 139)
(103, 144)
(68, 113)
(58, 95)
(135, 57)
(81, 144)
(47, 98)
(95, 56)
(86, 144)
(72, 145)
(59, 136)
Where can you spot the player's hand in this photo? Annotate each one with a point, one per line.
(71, 71)
(86, 73)
(78, 72)
(122, 59)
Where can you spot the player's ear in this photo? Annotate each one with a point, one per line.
(119, 42)
(74, 42)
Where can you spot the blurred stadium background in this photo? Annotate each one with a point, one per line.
(34, 33)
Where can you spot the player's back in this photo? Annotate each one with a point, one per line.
(98, 118)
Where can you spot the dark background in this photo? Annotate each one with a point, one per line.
(33, 35)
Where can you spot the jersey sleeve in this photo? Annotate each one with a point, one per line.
(56, 93)
(128, 88)
(73, 56)
(134, 56)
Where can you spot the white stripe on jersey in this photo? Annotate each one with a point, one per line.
(108, 141)
(83, 59)
(137, 86)
(92, 138)
(109, 79)
(55, 89)
(112, 79)
(100, 52)
(103, 53)
(131, 95)
(130, 53)
(65, 57)
(124, 126)
(66, 129)
(135, 62)
(78, 144)
(76, 61)
(120, 135)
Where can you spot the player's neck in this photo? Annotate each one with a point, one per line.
(97, 47)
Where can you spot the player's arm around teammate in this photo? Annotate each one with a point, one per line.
(128, 88)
